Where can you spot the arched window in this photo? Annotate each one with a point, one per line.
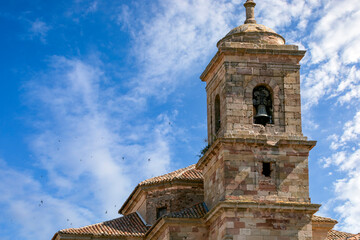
(217, 113)
(262, 101)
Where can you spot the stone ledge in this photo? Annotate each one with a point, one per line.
(275, 206)
(258, 46)
(240, 48)
(273, 141)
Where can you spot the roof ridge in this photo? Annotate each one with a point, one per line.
(317, 218)
(168, 176)
(103, 223)
(183, 170)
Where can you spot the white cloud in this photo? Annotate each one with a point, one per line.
(181, 35)
(39, 29)
(92, 8)
(347, 160)
(86, 146)
(37, 212)
(89, 141)
(348, 190)
(332, 47)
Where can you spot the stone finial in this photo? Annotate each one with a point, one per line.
(250, 15)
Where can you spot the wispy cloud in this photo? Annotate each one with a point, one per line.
(38, 29)
(180, 36)
(332, 75)
(346, 158)
(92, 134)
(332, 47)
(34, 213)
(87, 148)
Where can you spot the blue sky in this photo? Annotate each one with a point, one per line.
(96, 96)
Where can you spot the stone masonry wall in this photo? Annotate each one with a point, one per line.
(174, 198)
(214, 180)
(218, 88)
(260, 224)
(181, 229)
(235, 173)
(235, 80)
(188, 232)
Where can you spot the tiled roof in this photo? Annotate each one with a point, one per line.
(130, 225)
(322, 219)
(337, 235)
(188, 174)
(197, 211)
(354, 237)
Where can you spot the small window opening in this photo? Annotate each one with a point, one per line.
(217, 113)
(266, 169)
(262, 105)
(160, 212)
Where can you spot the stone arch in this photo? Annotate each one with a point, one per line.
(262, 98)
(274, 88)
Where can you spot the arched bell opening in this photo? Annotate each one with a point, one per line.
(263, 105)
(217, 113)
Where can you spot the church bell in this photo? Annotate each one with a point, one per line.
(262, 116)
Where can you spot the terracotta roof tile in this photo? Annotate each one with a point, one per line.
(196, 211)
(322, 219)
(337, 235)
(130, 225)
(189, 173)
(354, 237)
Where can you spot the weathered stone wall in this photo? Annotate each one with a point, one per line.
(217, 88)
(234, 172)
(179, 229)
(234, 78)
(260, 224)
(214, 180)
(174, 198)
(188, 232)
(321, 229)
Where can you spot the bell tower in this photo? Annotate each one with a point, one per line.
(256, 169)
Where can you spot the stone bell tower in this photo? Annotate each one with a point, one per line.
(256, 169)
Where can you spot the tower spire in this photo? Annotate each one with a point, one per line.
(250, 15)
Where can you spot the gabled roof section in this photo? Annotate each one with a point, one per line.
(184, 175)
(322, 219)
(337, 235)
(189, 173)
(196, 211)
(127, 226)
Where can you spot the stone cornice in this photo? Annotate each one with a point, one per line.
(232, 48)
(274, 206)
(260, 140)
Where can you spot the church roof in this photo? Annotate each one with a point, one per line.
(129, 226)
(251, 32)
(322, 219)
(337, 235)
(196, 211)
(354, 237)
(132, 224)
(189, 173)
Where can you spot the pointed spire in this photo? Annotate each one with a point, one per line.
(250, 15)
